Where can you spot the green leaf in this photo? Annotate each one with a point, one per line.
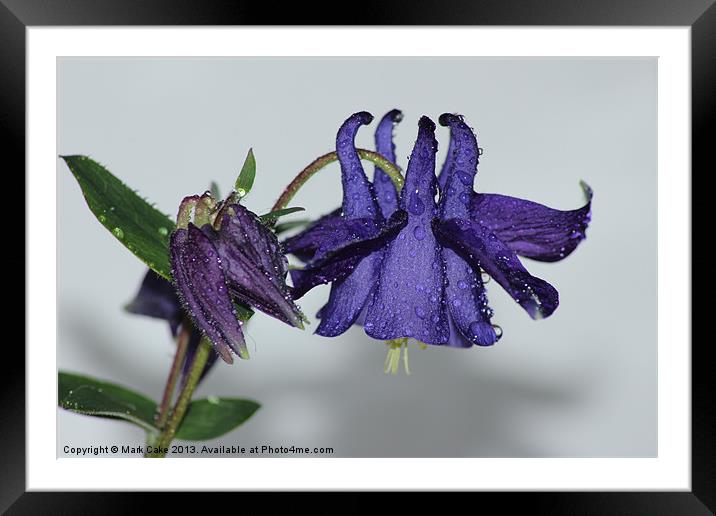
(246, 177)
(287, 226)
(214, 189)
(243, 312)
(92, 397)
(273, 216)
(142, 229)
(213, 417)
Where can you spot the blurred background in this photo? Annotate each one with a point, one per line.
(581, 383)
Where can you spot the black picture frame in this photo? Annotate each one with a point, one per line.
(17, 15)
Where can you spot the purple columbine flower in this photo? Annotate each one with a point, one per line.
(227, 257)
(419, 273)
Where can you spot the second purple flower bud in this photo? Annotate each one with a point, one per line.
(227, 258)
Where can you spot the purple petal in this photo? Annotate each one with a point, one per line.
(457, 339)
(531, 229)
(349, 295)
(384, 188)
(244, 229)
(448, 165)
(358, 196)
(305, 244)
(466, 301)
(460, 175)
(202, 288)
(343, 248)
(254, 264)
(157, 298)
(480, 248)
(359, 236)
(408, 301)
(465, 294)
(307, 278)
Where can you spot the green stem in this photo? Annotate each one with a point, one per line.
(182, 344)
(168, 433)
(385, 164)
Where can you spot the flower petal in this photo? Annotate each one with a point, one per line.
(385, 190)
(254, 264)
(465, 294)
(349, 295)
(202, 288)
(448, 165)
(461, 164)
(358, 195)
(157, 298)
(342, 248)
(531, 229)
(477, 245)
(304, 245)
(309, 277)
(466, 301)
(408, 301)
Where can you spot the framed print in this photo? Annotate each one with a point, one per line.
(333, 188)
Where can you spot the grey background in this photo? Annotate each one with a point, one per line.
(581, 383)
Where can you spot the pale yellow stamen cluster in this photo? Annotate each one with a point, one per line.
(396, 347)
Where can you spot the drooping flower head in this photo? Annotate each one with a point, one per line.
(227, 258)
(419, 272)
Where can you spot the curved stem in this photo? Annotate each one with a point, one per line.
(168, 433)
(385, 164)
(182, 345)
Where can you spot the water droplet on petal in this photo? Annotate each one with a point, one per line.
(118, 233)
(419, 232)
(416, 205)
(464, 177)
(498, 331)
